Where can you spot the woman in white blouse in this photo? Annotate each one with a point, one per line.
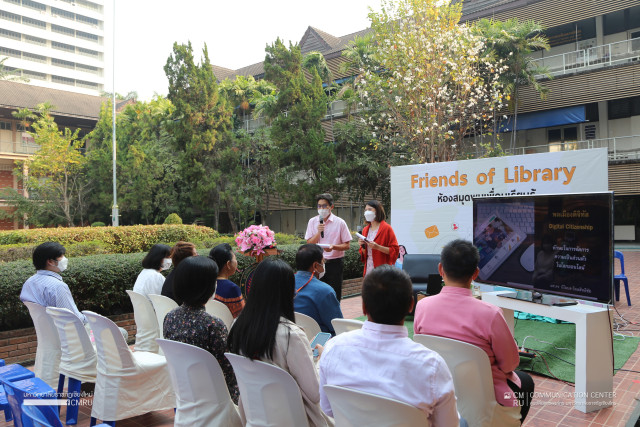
(265, 330)
(150, 280)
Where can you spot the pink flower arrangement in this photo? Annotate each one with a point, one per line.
(255, 239)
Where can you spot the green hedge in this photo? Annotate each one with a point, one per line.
(24, 251)
(98, 282)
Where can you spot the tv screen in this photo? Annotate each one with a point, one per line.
(553, 244)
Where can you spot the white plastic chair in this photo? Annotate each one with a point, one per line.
(221, 311)
(201, 390)
(346, 325)
(146, 323)
(48, 351)
(128, 383)
(354, 408)
(270, 396)
(161, 305)
(308, 325)
(78, 361)
(473, 382)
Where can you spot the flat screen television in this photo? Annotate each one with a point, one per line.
(559, 244)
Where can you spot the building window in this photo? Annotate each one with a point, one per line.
(13, 1)
(63, 46)
(33, 75)
(34, 23)
(87, 20)
(10, 34)
(20, 128)
(621, 20)
(623, 108)
(35, 58)
(62, 63)
(88, 69)
(5, 51)
(88, 52)
(34, 5)
(5, 125)
(63, 30)
(10, 16)
(89, 5)
(63, 13)
(63, 80)
(35, 40)
(86, 85)
(562, 139)
(87, 36)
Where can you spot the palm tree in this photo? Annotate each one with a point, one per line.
(514, 41)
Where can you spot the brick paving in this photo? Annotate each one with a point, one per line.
(546, 412)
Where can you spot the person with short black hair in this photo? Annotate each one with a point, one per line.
(454, 313)
(195, 284)
(179, 252)
(265, 330)
(150, 280)
(46, 287)
(381, 245)
(313, 297)
(332, 233)
(227, 292)
(381, 359)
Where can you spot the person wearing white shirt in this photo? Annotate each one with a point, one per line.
(150, 280)
(381, 359)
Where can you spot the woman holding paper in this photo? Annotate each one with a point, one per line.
(379, 245)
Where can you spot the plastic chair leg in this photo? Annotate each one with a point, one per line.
(626, 290)
(73, 399)
(8, 416)
(616, 288)
(109, 423)
(60, 390)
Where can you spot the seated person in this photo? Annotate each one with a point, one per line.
(314, 298)
(180, 251)
(227, 292)
(150, 280)
(381, 359)
(195, 283)
(265, 331)
(46, 287)
(454, 313)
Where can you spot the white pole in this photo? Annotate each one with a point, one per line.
(114, 209)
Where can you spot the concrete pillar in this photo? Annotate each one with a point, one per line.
(603, 115)
(599, 30)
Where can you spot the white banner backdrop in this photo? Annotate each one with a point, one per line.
(431, 203)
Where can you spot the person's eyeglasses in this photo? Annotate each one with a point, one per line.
(323, 206)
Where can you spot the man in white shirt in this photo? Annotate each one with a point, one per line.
(381, 359)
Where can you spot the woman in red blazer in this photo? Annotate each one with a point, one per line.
(381, 245)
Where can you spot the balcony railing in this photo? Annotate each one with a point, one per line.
(19, 147)
(594, 57)
(619, 148)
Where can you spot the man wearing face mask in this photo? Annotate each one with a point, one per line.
(312, 297)
(46, 286)
(332, 232)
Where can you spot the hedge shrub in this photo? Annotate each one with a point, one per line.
(121, 240)
(173, 218)
(24, 251)
(98, 282)
(98, 224)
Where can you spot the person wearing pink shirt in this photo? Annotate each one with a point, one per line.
(454, 313)
(332, 234)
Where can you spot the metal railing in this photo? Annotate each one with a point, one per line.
(594, 57)
(19, 147)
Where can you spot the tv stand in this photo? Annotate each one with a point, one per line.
(594, 359)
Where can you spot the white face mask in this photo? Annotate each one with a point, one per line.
(321, 273)
(369, 215)
(166, 264)
(324, 213)
(62, 264)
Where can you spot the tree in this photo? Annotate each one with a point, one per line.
(426, 76)
(315, 61)
(306, 161)
(7, 73)
(513, 41)
(54, 174)
(200, 120)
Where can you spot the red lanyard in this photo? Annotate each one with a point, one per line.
(300, 288)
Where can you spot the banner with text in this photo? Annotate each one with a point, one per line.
(431, 203)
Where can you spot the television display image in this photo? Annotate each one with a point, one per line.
(552, 244)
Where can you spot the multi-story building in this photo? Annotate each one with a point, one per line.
(57, 44)
(593, 100)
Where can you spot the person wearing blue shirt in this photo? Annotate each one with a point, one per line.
(313, 297)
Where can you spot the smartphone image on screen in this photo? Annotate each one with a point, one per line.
(321, 339)
(496, 239)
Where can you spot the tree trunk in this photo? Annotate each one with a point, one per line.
(234, 226)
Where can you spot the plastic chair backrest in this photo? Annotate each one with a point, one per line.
(473, 382)
(356, 408)
(420, 266)
(346, 325)
(270, 396)
(114, 356)
(201, 390)
(15, 399)
(308, 325)
(79, 357)
(221, 311)
(41, 416)
(162, 305)
(146, 323)
(620, 256)
(18, 391)
(48, 351)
